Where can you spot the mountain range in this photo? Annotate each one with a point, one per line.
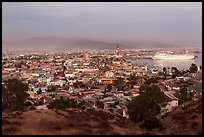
(68, 43)
(60, 43)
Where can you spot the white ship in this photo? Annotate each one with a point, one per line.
(164, 56)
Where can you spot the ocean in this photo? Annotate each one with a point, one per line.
(180, 64)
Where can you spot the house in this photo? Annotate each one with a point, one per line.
(47, 99)
(172, 86)
(171, 103)
(123, 111)
(135, 92)
(87, 92)
(119, 93)
(41, 107)
(31, 94)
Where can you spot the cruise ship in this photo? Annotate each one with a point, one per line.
(164, 56)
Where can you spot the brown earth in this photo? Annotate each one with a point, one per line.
(83, 122)
(70, 121)
(184, 122)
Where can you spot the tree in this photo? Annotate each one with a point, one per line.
(14, 94)
(133, 80)
(151, 81)
(193, 68)
(151, 123)
(119, 83)
(148, 103)
(62, 104)
(51, 88)
(175, 72)
(108, 88)
(183, 93)
(79, 85)
(164, 72)
(99, 104)
(39, 91)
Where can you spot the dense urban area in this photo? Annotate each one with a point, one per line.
(99, 80)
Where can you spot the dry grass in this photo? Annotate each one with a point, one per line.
(68, 122)
(183, 122)
(90, 122)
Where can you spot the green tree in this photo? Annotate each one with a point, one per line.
(14, 94)
(148, 103)
(193, 68)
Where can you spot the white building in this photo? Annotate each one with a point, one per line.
(172, 103)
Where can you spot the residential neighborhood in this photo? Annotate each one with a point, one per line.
(95, 76)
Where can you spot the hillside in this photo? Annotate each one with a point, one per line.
(70, 121)
(184, 121)
(78, 121)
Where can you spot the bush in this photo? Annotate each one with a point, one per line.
(193, 68)
(32, 108)
(62, 104)
(151, 123)
(99, 104)
(51, 88)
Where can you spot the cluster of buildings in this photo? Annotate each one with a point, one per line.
(89, 77)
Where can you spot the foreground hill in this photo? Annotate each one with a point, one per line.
(77, 121)
(184, 121)
(70, 121)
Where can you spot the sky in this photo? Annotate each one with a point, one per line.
(165, 22)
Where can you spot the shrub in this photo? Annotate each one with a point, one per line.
(151, 123)
(32, 108)
(62, 104)
(99, 104)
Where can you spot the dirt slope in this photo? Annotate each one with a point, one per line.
(71, 121)
(184, 121)
(77, 121)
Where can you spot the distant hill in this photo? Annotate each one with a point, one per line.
(68, 43)
(60, 43)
